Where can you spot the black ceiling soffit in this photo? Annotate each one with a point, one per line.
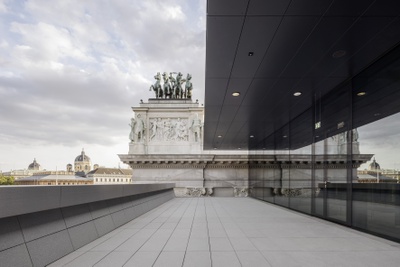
(269, 50)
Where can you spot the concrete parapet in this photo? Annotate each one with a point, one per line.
(42, 224)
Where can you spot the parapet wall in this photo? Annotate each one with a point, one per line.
(39, 225)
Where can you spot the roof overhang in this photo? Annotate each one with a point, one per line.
(269, 50)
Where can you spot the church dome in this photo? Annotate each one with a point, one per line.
(82, 163)
(374, 165)
(34, 166)
(82, 157)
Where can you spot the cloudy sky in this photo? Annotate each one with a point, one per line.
(70, 71)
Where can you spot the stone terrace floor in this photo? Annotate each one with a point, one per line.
(232, 232)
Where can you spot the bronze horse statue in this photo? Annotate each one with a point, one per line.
(157, 86)
(179, 93)
(167, 86)
(188, 87)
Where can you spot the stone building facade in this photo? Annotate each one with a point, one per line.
(167, 146)
(101, 175)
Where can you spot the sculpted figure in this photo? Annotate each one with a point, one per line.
(181, 130)
(167, 130)
(167, 86)
(159, 129)
(341, 138)
(153, 130)
(138, 129)
(173, 84)
(188, 87)
(157, 86)
(132, 133)
(178, 85)
(196, 128)
(354, 136)
(173, 131)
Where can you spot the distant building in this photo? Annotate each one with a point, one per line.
(33, 168)
(69, 167)
(374, 177)
(375, 174)
(78, 174)
(82, 163)
(103, 175)
(374, 166)
(395, 174)
(54, 178)
(18, 174)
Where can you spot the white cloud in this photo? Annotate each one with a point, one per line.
(173, 13)
(48, 43)
(3, 7)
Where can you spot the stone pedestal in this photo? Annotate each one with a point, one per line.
(356, 148)
(137, 148)
(172, 126)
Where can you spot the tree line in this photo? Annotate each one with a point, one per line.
(6, 180)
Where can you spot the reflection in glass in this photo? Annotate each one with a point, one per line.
(376, 193)
(340, 159)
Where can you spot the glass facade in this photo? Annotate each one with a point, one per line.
(340, 159)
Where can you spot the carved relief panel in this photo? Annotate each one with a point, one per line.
(168, 129)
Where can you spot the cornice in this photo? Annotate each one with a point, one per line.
(201, 161)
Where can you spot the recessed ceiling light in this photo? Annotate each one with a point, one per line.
(284, 136)
(239, 148)
(339, 54)
(361, 93)
(215, 148)
(251, 136)
(236, 94)
(297, 94)
(251, 54)
(219, 136)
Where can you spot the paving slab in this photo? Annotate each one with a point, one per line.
(232, 232)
